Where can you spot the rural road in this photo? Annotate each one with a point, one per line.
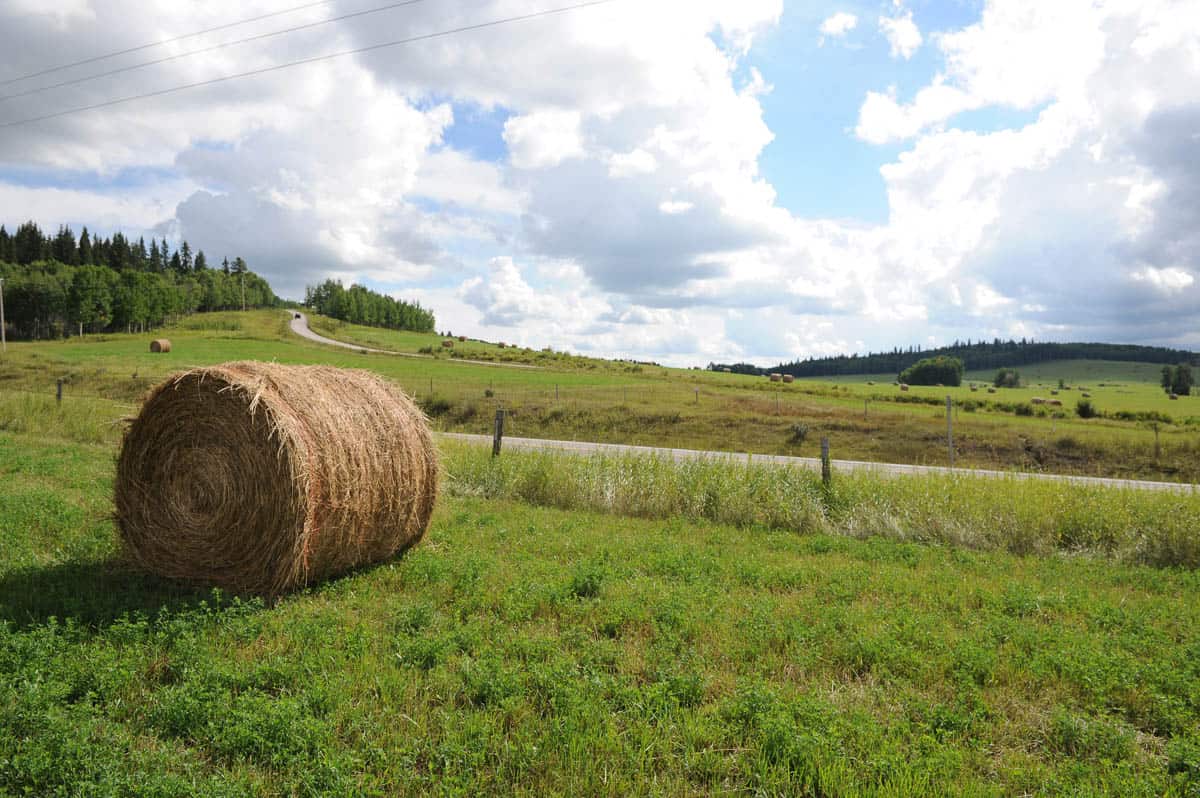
(300, 327)
(886, 469)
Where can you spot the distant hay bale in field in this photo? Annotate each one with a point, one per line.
(974, 389)
(788, 378)
(903, 387)
(776, 378)
(1054, 402)
(501, 344)
(870, 382)
(1174, 396)
(1087, 395)
(263, 478)
(160, 345)
(448, 344)
(1037, 400)
(991, 390)
(1054, 392)
(462, 337)
(727, 371)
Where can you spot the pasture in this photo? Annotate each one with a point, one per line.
(593, 625)
(1141, 432)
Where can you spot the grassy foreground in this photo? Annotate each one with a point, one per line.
(539, 651)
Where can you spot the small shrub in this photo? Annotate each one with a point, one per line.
(488, 393)
(1023, 410)
(586, 581)
(799, 433)
(435, 406)
(1085, 409)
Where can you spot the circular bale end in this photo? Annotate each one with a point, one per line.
(263, 478)
(159, 345)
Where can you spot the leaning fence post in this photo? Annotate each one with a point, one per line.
(499, 432)
(826, 468)
(58, 392)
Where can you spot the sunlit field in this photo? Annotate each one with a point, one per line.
(1142, 433)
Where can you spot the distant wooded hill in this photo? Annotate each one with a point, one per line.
(975, 356)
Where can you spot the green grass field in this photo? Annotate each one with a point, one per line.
(570, 397)
(595, 625)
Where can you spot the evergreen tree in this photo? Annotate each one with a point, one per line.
(156, 259)
(185, 257)
(201, 261)
(5, 245)
(63, 248)
(85, 248)
(176, 263)
(225, 265)
(27, 244)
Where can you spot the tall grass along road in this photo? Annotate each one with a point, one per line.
(886, 469)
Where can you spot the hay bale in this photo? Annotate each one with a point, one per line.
(448, 344)
(262, 478)
(1174, 396)
(1054, 402)
(788, 378)
(1037, 400)
(501, 345)
(1087, 395)
(462, 337)
(903, 387)
(991, 390)
(973, 389)
(160, 345)
(727, 371)
(776, 378)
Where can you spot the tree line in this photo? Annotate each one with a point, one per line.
(57, 285)
(360, 305)
(978, 355)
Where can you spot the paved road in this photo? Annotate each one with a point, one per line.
(300, 327)
(887, 469)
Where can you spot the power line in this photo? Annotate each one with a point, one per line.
(164, 41)
(313, 60)
(257, 37)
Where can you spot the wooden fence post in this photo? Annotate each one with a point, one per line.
(58, 392)
(950, 428)
(826, 467)
(499, 432)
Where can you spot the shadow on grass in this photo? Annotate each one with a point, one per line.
(93, 593)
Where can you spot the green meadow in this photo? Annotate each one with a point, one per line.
(594, 625)
(1139, 433)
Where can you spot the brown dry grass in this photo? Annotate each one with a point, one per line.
(263, 478)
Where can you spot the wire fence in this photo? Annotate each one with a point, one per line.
(909, 432)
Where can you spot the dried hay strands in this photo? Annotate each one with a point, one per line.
(263, 478)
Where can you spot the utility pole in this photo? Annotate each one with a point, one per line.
(3, 340)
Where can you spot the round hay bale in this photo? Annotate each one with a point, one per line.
(263, 478)
(903, 387)
(448, 344)
(462, 337)
(160, 345)
(788, 378)
(776, 377)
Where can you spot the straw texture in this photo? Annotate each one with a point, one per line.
(263, 478)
